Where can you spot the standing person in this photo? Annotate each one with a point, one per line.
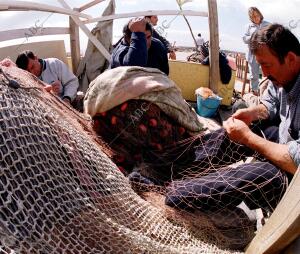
(153, 21)
(257, 22)
(138, 48)
(262, 183)
(52, 71)
(199, 41)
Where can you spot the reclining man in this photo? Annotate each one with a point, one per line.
(61, 81)
(139, 48)
(262, 183)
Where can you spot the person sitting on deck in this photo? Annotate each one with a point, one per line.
(262, 183)
(138, 48)
(153, 21)
(54, 72)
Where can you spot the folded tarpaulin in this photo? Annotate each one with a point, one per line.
(121, 84)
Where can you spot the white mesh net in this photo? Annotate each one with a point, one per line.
(61, 193)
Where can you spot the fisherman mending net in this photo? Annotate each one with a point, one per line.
(196, 171)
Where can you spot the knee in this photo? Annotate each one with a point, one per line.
(266, 169)
(178, 196)
(177, 201)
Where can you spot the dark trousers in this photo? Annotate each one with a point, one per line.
(259, 184)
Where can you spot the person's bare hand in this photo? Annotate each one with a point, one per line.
(172, 55)
(48, 88)
(244, 115)
(56, 87)
(137, 25)
(237, 130)
(7, 62)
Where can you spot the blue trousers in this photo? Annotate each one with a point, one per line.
(254, 74)
(259, 184)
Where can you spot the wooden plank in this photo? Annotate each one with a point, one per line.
(214, 73)
(293, 248)
(283, 227)
(147, 13)
(91, 37)
(74, 44)
(31, 32)
(33, 6)
(89, 5)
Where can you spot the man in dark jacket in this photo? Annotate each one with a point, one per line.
(153, 21)
(138, 48)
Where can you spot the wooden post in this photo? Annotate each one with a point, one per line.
(85, 29)
(146, 13)
(282, 228)
(214, 73)
(88, 5)
(74, 44)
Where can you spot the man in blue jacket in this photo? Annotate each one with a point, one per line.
(138, 48)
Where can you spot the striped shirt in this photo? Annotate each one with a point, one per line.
(286, 106)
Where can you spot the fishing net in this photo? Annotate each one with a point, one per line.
(60, 191)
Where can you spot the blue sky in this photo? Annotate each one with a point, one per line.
(232, 16)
